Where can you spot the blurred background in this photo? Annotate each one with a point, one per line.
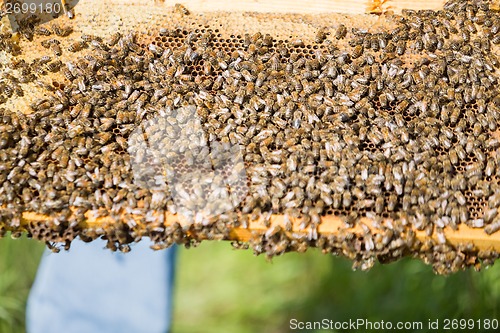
(219, 289)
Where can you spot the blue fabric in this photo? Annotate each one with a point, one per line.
(92, 290)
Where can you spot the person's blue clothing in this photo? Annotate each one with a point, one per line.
(93, 290)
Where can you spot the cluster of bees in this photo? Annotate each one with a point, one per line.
(397, 126)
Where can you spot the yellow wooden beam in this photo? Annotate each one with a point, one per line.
(330, 225)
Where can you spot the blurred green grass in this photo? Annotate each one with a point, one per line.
(18, 263)
(225, 290)
(219, 289)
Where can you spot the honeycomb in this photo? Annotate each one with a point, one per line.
(372, 137)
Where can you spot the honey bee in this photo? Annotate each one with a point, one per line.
(67, 74)
(346, 199)
(321, 35)
(455, 114)
(54, 66)
(181, 9)
(17, 64)
(298, 43)
(77, 46)
(56, 49)
(357, 52)
(256, 37)
(341, 32)
(489, 215)
(48, 42)
(248, 76)
(61, 31)
(267, 40)
(440, 235)
(495, 40)
(42, 31)
(26, 29)
(88, 38)
(493, 227)
(53, 247)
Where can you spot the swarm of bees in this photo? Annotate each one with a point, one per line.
(399, 127)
